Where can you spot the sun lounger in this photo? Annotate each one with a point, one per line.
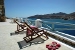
(20, 27)
(33, 33)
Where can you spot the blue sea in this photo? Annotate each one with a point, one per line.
(71, 32)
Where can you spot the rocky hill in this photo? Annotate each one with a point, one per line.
(59, 15)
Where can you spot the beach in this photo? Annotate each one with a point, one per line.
(16, 42)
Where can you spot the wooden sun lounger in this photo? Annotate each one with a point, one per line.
(33, 33)
(20, 27)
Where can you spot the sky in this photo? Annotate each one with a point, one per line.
(26, 8)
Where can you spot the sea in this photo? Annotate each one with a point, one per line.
(70, 32)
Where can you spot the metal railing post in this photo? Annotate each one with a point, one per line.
(52, 26)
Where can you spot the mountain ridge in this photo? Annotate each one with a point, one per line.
(59, 15)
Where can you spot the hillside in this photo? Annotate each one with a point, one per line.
(59, 15)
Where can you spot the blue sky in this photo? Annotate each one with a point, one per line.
(26, 8)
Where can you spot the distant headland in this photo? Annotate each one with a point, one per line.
(59, 15)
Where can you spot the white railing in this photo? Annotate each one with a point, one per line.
(72, 26)
(52, 27)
